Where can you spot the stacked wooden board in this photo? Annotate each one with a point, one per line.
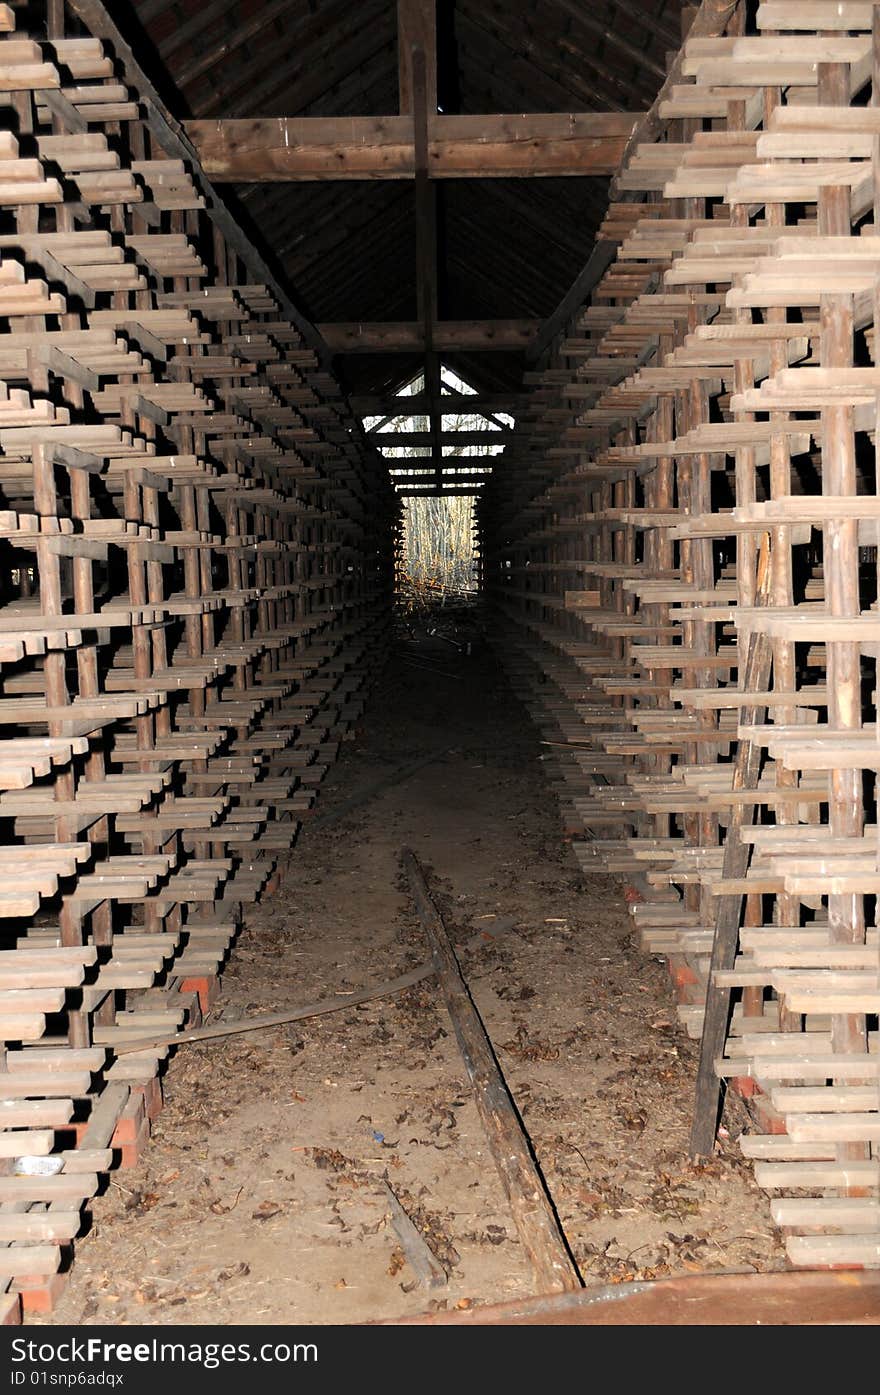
(197, 557)
(683, 555)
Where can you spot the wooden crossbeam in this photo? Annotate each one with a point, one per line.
(531, 145)
(453, 404)
(403, 336)
(429, 481)
(445, 438)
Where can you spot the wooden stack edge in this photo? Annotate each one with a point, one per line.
(682, 561)
(197, 552)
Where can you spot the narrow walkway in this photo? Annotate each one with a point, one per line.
(260, 1197)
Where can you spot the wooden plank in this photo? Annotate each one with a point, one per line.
(56, 1226)
(416, 27)
(710, 1300)
(395, 337)
(56, 1188)
(503, 146)
(524, 1186)
(29, 1259)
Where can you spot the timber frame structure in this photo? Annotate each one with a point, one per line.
(678, 545)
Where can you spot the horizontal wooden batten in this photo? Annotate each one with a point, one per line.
(403, 336)
(274, 149)
(489, 437)
(417, 405)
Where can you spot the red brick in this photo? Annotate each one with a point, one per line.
(131, 1121)
(745, 1086)
(682, 974)
(765, 1115)
(39, 1293)
(206, 985)
(131, 1153)
(152, 1097)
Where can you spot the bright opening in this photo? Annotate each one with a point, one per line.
(437, 558)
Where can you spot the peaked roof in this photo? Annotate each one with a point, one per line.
(509, 248)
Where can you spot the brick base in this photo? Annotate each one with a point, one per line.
(130, 1154)
(744, 1086)
(764, 1115)
(207, 986)
(152, 1096)
(39, 1293)
(132, 1133)
(686, 985)
(130, 1120)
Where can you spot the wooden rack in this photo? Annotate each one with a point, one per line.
(683, 556)
(197, 557)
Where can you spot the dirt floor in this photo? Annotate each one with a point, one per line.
(261, 1196)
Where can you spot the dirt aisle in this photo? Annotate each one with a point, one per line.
(260, 1197)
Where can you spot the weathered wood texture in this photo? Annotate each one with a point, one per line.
(182, 647)
(274, 149)
(526, 1191)
(406, 337)
(714, 735)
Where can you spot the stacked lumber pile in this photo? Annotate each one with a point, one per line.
(685, 571)
(197, 557)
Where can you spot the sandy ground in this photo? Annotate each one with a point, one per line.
(261, 1197)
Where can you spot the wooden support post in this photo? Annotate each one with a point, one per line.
(426, 248)
(746, 771)
(416, 30)
(846, 912)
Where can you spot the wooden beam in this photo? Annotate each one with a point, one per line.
(416, 27)
(553, 1269)
(528, 145)
(243, 32)
(428, 481)
(597, 264)
(710, 21)
(446, 438)
(453, 404)
(427, 280)
(737, 852)
(406, 337)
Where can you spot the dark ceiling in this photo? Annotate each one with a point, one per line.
(508, 248)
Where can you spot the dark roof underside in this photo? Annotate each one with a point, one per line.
(509, 248)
